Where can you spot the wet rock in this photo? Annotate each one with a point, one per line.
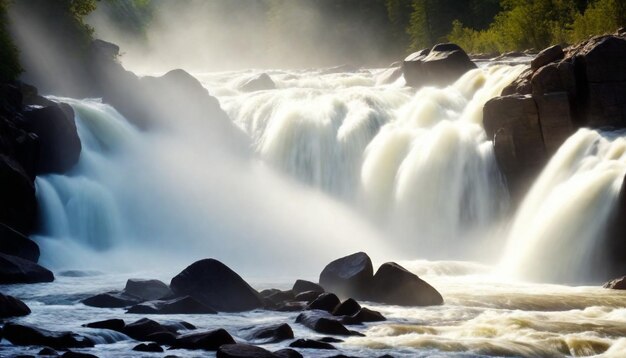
(546, 56)
(348, 307)
(58, 138)
(310, 343)
(147, 290)
(291, 307)
(270, 334)
(15, 243)
(70, 354)
(330, 340)
(17, 270)
(167, 338)
(22, 335)
(181, 305)
(442, 65)
(111, 300)
(217, 286)
(301, 286)
(616, 284)
(259, 83)
(141, 330)
(279, 297)
(389, 76)
(363, 315)
(112, 324)
(323, 322)
(12, 307)
(348, 276)
(47, 351)
(394, 285)
(148, 347)
(287, 353)
(243, 351)
(308, 296)
(210, 341)
(268, 292)
(326, 302)
(18, 208)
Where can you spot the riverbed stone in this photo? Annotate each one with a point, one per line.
(348, 276)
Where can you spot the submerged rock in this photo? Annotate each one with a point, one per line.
(323, 322)
(181, 305)
(112, 324)
(259, 83)
(310, 343)
(12, 307)
(217, 286)
(363, 315)
(17, 270)
(22, 335)
(348, 276)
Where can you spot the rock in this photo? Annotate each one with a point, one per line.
(268, 292)
(271, 334)
(140, 330)
(112, 324)
(287, 353)
(394, 285)
(22, 335)
(70, 354)
(58, 138)
(12, 307)
(345, 68)
(217, 286)
(147, 290)
(210, 341)
(441, 66)
(363, 315)
(326, 302)
(348, 276)
(308, 296)
(17, 270)
(14, 243)
(323, 322)
(243, 351)
(310, 343)
(389, 76)
(555, 119)
(148, 347)
(181, 305)
(167, 338)
(301, 286)
(261, 82)
(18, 208)
(111, 300)
(546, 56)
(348, 307)
(616, 284)
(291, 307)
(281, 296)
(330, 340)
(47, 351)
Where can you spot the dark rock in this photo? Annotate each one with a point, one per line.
(301, 286)
(268, 292)
(271, 334)
(147, 290)
(79, 273)
(326, 302)
(17, 270)
(348, 276)
(140, 330)
(394, 285)
(217, 286)
(308, 296)
(441, 66)
(281, 296)
(111, 300)
(210, 341)
(546, 56)
(323, 322)
(291, 307)
(310, 343)
(112, 324)
(148, 347)
(616, 284)
(330, 340)
(259, 83)
(15, 243)
(555, 119)
(58, 137)
(181, 305)
(168, 338)
(287, 353)
(12, 307)
(363, 315)
(70, 354)
(22, 335)
(348, 307)
(18, 208)
(47, 351)
(243, 351)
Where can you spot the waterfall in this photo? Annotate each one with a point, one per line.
(557, 232)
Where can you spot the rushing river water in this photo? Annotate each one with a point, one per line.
(342, 163)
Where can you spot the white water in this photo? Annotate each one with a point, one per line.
(559, 227)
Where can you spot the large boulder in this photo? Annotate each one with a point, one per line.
(258, 83)
(147, 290)
(303, 286)
(546, 56)
(348, 276)
(363, 315)
(15, 243)
(440, 66)
(17, 270)
(217, 286)
(394, 285)
(12, 307)
(18, 207)
(58, 138)
(616, 284)
(22, 335)
(348, 307)
(326, 302)
(269, 334)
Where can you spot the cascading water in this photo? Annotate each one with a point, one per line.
(558, 230)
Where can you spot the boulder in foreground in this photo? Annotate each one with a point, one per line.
(616, 284)
(394, 285)
(22, 335)
(348, 276)
(12, 307)
(17, 270)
